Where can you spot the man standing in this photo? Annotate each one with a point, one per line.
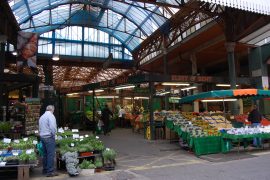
(121, 116)
(105, 117)
(47, 131)
(255, 118)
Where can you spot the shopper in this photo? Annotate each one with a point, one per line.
(121, 116)
(105, 117)
(255, 118)
(47, 131)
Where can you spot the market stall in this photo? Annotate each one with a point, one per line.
(207, 133)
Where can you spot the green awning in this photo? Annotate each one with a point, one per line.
(256, 93)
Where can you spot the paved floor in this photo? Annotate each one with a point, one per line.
(139, 159)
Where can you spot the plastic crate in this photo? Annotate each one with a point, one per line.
(207, 145)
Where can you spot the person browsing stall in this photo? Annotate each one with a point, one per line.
(47, 131)
(255, 118)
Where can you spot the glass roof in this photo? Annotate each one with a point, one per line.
(128, 21)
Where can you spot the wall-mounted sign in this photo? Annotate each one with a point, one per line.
(180, 78)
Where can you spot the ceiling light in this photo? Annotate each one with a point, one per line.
(56, 57)
(6, 70)
(218, 100)
(175, 98)
(188, 88)
(128, 98)
(224, 85)
(107, 97)
(96, 91)
(141, 97)
(175, 84)
(163, 93)
(14, 53)
(124, 87)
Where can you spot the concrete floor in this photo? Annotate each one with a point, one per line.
(139, 159)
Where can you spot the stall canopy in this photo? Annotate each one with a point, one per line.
(258, 93)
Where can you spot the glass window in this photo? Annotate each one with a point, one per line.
(44, 46)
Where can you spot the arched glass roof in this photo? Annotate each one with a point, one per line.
(128, 21)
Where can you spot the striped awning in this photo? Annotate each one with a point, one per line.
(256, 6)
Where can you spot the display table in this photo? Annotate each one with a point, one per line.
(200, 145)
(228, 139)
(23, 170)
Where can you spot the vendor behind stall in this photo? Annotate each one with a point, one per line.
(255, 118)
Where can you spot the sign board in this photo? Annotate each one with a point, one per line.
(46, 88)
(180, 78)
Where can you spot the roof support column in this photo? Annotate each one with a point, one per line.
(151, 110)
(194, 69)
(2, 86)
(230, 46)
(258, 67)
(165, 71)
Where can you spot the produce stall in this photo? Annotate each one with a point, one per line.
(198, 135)
(76, 152)
(20, 154)
(222, 136)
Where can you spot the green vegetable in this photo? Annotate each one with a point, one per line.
(87, 165)
(98, 163)
(109, 154)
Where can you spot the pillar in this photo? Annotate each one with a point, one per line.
(258, 68)
(194, 69)
(165, 72)
(2, 67)
(231, 60)
(94, 106)
(151, 110)
(230, 46)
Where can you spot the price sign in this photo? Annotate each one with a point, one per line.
(86, 135)
(16, 141)
(36, 131)
(29, 151)
(75, 130)
(7, 140)
(72, 144)
(65, 128)
(97, 137)
(3, 163)
(15, 153)
(76, 136)
(25, 139)
(61, 130)
(81, 137)
(35, 142)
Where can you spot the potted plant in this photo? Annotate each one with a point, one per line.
(12, 160)
(23, 158)
(87, 167)
(98, 146)
(109, 156)
(85, 149)
(98, 164)
(32, 158)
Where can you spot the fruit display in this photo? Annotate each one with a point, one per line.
(248, 130)
(215, 120)
(196, 128)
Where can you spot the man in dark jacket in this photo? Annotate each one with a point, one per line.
(255, 118)
(105, 117)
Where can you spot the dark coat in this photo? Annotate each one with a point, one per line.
(255, 116)
(105, 115)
